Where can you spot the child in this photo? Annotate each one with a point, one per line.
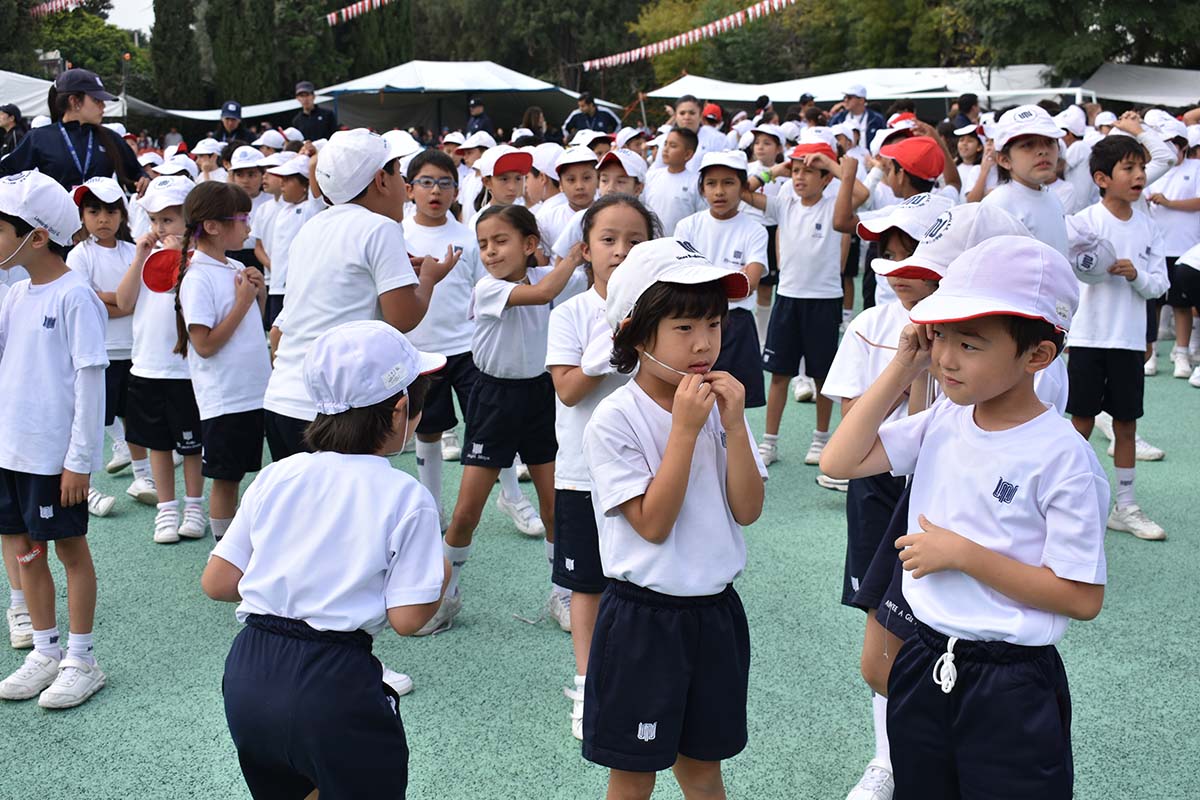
(675, 472)
(1026, 152)
(1006, 542)
(246, 170)
(297, 205)
(541, 185)
(976, 163)
(221, 334)
(617, 172)
(51, 436)
(208, 160)
(768, 151)
(470, 187)
(511, 407)
(732, 240)
(301, 687)
(502, 169)
(578, 357)
(261, 218)
(576, 175)
(161, 414)
(1108, 333)
(671, 189)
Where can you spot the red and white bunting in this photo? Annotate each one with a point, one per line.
(354, 10)
(706, 31)
(52, 7)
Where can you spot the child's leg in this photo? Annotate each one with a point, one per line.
(584, 609)
(824, 408)
(76, 558)
(699, 780)
(1085, 425)
(223, 500)
(1125, 450)
(136, 451)
(776, 402)
(193, 479)
(9, 545)
(429, 464)
(543, 484)
(36, 580)
(624, 785)
(162, 467)
(472, 495)
(879, 650)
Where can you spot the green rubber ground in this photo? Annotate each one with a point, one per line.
(488, 718)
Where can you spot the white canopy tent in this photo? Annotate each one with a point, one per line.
(248, 112)
(1175, 88)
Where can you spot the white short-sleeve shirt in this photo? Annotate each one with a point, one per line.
(866, 349)
(1180, 229)
(673, 196)
(732, 243)
(509, 341)
(446, 328)
(154, 336)
(810, 250)
(1039, 209)
(103, 268)
(286, 223)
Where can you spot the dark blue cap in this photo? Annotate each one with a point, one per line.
(232, 108)
(73, 81)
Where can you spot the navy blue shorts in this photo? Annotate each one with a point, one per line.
(802, 328)
(116, 389)
(1100, 379)
(741, 355)
(870, 503)
(285, 435)
(667, 676)
(576, 543)
(31, 504)
(1003, 731)
(456, 378)
(881, 587)
(772, 276)
(271, 310)
(308, 709)
(506, 417)
(162, 415)
(233, 445)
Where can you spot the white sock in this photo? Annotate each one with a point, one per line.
(762, 321)
(79, 645)
(821, 436)
(219, 526)
(429, 468)
(771, 438)
(1125, 486)
(510, 486)
(193, 502)
(883, 749)
(116, 431)
(16, 598)
(141, 467)
(847, 314)
(457, 556)
(46, 643)
(170, 505)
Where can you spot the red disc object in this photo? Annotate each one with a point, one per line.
(161, 270)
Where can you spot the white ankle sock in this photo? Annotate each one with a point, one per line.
(193, 502)
(116, 431)
(46, 643)
(821, 436)
(883, 749)
(1125, 495)
(457, 556)
(16, 598)
(550, 553)
(219, 527)
(79, 645)
(510, 485)
(771, 438)
(141, 467)
(429, 468)
(170, 505)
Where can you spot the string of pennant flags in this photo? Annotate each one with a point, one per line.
(354, 10)
(708, 31)
(53, 7)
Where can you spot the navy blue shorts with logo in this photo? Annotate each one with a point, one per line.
(506, 417)
(882, 585)
(31, 504)
(308, 709)
(667, 676)
(741, 355)
(576, 543)
(803, 328)
(870, 504)
(1002, 731)
(456, 378)
(116, 389)
(233, 445)
(162, 415)
(1100, 379)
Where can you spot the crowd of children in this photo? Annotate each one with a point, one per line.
(604, 313)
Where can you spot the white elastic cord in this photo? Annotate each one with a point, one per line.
(944, 672)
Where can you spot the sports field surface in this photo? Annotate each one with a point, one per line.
(488, 718)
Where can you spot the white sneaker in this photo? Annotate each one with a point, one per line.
(1195, 379)
(574, 693)
(1150, 368)
(194, 524)
(559, 609)
(836, 484)
(522, 514)
(401, 684)
(451, 449)
(813, 456)
(1183, 364)
(166, 526)
(444, 618)
(77, 681)
(144, 491)
(803, 389)
(768, 452)
(176, 458)
(99, 504)
(120, 458)
(1145, 451)
(35, 674)
(1131, 519)
(20, 628)
(1104, 424)
(875, 784)
(522, 471)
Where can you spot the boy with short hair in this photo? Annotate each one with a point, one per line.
(671, 191)
(575, 176)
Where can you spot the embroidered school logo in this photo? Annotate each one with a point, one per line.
(737, 254)
(723, 445)
(818, 226)
(49, 322)
(1026, 115)
(917, 200)
(938, 229)
(570, 564)
(476, 449)
(187, 436)
(647, 731)
(1005, 491)
(46, 512)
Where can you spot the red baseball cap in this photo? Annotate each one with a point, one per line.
(712, 111)
(920, 155)
(801, 150)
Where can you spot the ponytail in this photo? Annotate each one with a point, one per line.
(181, 334)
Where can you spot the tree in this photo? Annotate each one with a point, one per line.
(175, 56)
(85, 40)
(16, 31)
(305, 47)
(242, 33)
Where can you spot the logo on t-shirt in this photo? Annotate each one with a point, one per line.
(1005, 491)
(647, 731)
(49, 322)
(737, 254)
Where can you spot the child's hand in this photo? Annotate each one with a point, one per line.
(731, 398)
(172, 242)
(914, 350)
(820, 161)
(1125, 268)
(438, 269)
(1160, 199)
(849, 166)
(246, 287)
(934, 550)
(920, 128)
(781, 170)
(574, 256)
(73, 487)
(145, 245)
(989, 155)
(694, 399)
(1130, 122)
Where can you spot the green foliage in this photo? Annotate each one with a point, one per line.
(86, 40)
(16, 32)
(175, 56)
(241, 32)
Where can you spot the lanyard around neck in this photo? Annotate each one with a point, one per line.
(87, 158)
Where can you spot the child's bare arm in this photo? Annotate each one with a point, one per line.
(220, 580)
(549, 287)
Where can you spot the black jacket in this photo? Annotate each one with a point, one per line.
(320, 124)
(45, 150)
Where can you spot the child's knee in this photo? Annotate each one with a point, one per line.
(73, 553)
(699, 778)
(30, 554)
(875, 670)
(630, 785)
(1124, 428)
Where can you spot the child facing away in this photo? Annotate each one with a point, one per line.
(1006, 541)
(676, 474)
(52, 360)
(671, 191)
(305, 699)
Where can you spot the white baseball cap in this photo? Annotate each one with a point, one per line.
(272, 138)
(350, 162)
(207, 147)
(545, 157)
(177, 164)
(856, 90)
(819, 135)
(902, 120)
(401, 144)
(1172, 128)
(1106, 118)
(319, 144)
(117, 128)
(884, 135)
(979, 130)
(1155, 117)
(166, 191)
(40, 202)
(150, 159)
(293, 134)
(1090, 253)
(668, 260)
(587, 137)
(245, 157)
(574, 155)
(954, 231)
(361, 363)
(733, 159)
(627, 135)
(745, 141)
(770, 130)
(1025, 121)
(40, 121)
(1193, 135)
(1072, 119)
(275, 159)
(454, 137)
(791, 130)
(297, 166)
(1010, 275)
(106, 190)
(843, 129)
(913, 216)
(479, 139)
(519, 133)
(503, 158)
(170, 152)
(633, 164)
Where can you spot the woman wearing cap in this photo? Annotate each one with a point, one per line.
(76, 146)
(14, 127)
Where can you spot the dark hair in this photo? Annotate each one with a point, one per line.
(1112, 150)
(226, 155)
(1050, 106)
(813, 115)
(211, 201)
(1029, 333)
(905, 239)
(390, 168)
(585, 97)
(901, 107)
(23, 228)
(653, 227)
(920, 184)
(1003, 174)
(690, 139)
(689, 98)
(292, 147)
(974, 134)
(661, 301)
(363, 431)
(532, 113)
(742, 176)
(966, 102)
(109, 142)
(520, 218)
(96, 204)
(526, 141)
(431, 158)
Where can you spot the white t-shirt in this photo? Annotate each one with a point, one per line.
(866, 349)
(469, 188)
(154, 335)
(346, 257)
(260, 228)
(1066, 196)
(289, 218)
(446, 328)
(290, 539)
(731, 243)
(1079, 174)
(551, 216)
(969, 174)
(509, 341)
(573, 326)
(234, 378)
(1034, 493)
(218, 175)
(624, 445)
(103, 268)
(139, 220)
(673, 196)
(810, 250)
(49, 334)
(1039, 209)
(1180, 229)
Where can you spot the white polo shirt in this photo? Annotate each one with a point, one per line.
(810, 250)
(731, 243)
(673, 196)
(103, 268)
(624, 445)
(1034, 493)
(446, 328)
(334, 541)
(1039, 209)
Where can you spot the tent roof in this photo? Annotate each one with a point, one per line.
(248, 112)
(29, 94)
(1153, 85)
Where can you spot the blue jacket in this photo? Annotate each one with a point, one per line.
(603, 120)
(45, 150)
(875, 122)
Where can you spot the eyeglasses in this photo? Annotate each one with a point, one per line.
(237, 218)
(429, 183)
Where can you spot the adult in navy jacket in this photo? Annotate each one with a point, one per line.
(854, 110)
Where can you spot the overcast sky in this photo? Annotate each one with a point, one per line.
(132, 14)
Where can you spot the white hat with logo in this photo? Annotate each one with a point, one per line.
(349, 163)
(40, 202)
(954, 231)
(1025, 121)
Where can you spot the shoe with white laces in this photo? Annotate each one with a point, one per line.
(875, 784)
(813, 456)
(36, 673)
(522, 514)
(144, 491)
(444, 618)
(195, 522)
(1144, 452)
(401, 684)
(20, 628)
(1195, 379)
(836, 484)
(1131, 519)
(574, 693)
(1183, 364)
(558, 606)
(166, 526)
(768, 452)
(451, 449)
(77, 680)
(120, 458)
(803, 389)
(99, 504)
(1150, 368)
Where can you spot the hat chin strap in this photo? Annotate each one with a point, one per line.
(20, 247)
(667, 367)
